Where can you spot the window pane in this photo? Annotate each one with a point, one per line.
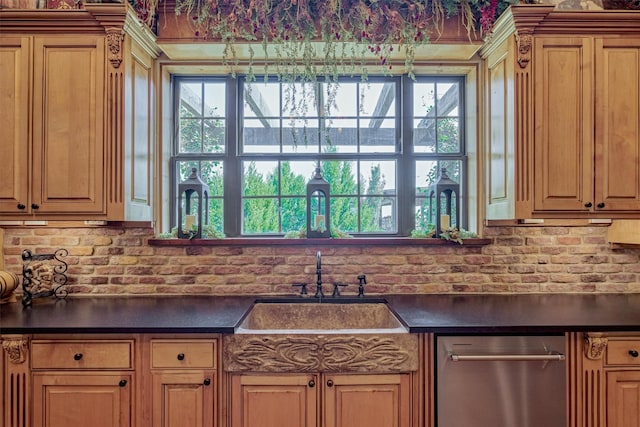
(261, 136)
(448, 136)
(300, 136)
(378, 135)
(448, 99)
(260, 216)
(341, 100)
(340, 136)
(378, 214)
(300, 99)
(190, 99)
(294, 214)
(378, 178)
(260, 178)
(213, 136)
(344, 213)
(342, 175)
(424, 135)
(424, 100)
(190, 136)
(262, 100)
(295, 176)
(214, 99)
(378, 99)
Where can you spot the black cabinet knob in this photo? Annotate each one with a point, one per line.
(588, 205)
(180, 356)
(21, 206)
(35, 206)
(122, 383)
(600, 205)
(77, 356)
(633, 353)
(312, 383)
(207, 381)
(329, 383)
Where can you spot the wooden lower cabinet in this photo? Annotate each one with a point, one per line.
(609, 382)
(623, 399)
(274, 400)
(93, 399)
(183, 399)
(327, 400)
(367, 400)
(184, 385)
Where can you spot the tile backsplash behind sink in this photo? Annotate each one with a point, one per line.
(116, 261)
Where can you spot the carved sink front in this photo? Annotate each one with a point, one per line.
(297, 337)
(324, 318)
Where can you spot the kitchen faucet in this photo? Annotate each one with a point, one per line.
(319, 293)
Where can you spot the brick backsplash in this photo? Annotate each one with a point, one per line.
(115, 261)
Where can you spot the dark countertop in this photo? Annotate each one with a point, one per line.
(450, 313)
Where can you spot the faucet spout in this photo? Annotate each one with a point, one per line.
(319, 293)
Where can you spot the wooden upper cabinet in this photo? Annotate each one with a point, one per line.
(563, 114)
(617, 149)
(14, 122)
(77, 129)
(563, 111)
(68, 135)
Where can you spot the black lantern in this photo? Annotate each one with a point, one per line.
(318, 206)
(444, 203)
(193, 206)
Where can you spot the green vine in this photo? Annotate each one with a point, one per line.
(354, 33)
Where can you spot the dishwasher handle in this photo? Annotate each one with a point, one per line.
(506, 357)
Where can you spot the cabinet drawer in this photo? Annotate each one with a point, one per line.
(81, 354)
(623, 352)
(183, 353)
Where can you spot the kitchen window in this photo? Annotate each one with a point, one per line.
(380, 142)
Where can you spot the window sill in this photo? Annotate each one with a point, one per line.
(281, 241)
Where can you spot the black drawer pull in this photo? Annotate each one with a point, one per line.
(329, 383)
(207, 381)
(588, 205)
(180, 356)
(633, 353)
(312, 383)
(601, 205)
(21, 206)
(77, 356)
(122, 383)
(35, 206)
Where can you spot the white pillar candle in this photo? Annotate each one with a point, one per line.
(189, 222)
(320, 222)
(444, 222)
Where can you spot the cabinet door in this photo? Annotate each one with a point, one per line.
(68, 114)
(623, 399)
(617, 185)
(563, 129)
(14, 123)
(281, 400)
(84, 399)
(367, 400)
(185, 398)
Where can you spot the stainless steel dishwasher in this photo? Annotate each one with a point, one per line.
(501, 381)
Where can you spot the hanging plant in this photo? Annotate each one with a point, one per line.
(354, 33)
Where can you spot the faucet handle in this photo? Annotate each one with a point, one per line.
(362, 279)
(302, 286)
(336, 288)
